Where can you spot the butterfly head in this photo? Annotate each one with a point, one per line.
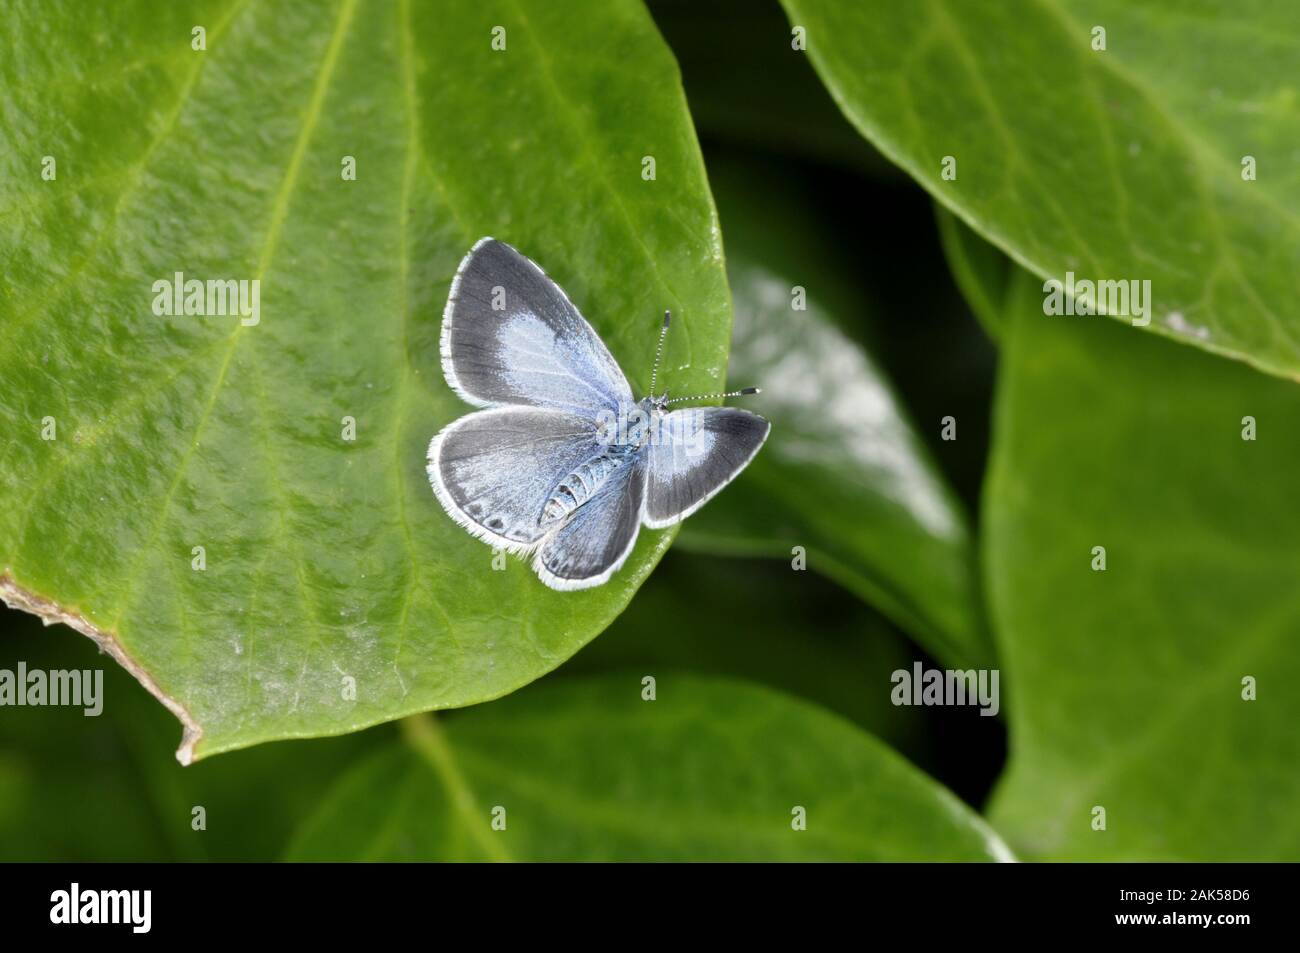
(656, 404)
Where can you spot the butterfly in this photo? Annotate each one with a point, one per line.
(562, 463)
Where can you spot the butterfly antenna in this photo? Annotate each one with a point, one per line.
(743, 392)
(659, 350)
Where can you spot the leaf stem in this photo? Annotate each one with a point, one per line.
(425, 736)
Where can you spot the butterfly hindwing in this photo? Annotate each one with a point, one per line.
(595, 541)
(510, 335)
(493, 470)
(698, 452)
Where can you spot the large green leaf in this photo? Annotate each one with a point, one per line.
(1126, 685)
(802, 635)
(1122, 163)
(326, 559)
(844, 476)
(751, 619)
(588, 770)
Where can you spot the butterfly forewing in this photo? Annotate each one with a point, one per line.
(510, 335)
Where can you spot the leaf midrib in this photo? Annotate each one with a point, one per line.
(279, 210)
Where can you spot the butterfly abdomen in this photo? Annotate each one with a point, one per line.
(581, 485)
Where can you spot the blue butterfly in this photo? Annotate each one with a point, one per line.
(563, 464)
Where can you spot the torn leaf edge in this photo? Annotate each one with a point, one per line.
(49, 612)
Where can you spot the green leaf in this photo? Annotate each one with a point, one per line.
(106, 788)
(1115, 164)
(843, 475)
(1126, 685)
(586, 770)
(980, 270)
(326, 559)
(745, 618)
